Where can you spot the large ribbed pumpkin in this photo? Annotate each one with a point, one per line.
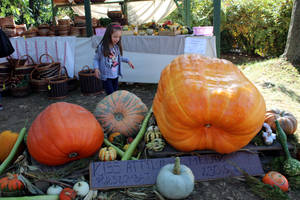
(207, 103)
(64, 132)
(122, 112)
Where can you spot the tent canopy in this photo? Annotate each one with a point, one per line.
(138, 12)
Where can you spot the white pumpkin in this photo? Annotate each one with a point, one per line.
(175, 181)
(54, 190)
(82, 188)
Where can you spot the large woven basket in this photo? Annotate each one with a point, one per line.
(38, 84)
(48, 70)
(89, 83)
(58, 87)
(26, 68)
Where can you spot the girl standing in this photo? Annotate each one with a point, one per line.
(108, 58)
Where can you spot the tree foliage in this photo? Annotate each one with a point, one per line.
(31, 12)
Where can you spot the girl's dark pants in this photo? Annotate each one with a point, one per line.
(110, 85)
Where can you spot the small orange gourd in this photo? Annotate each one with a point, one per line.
(207, 103)
(275, 178)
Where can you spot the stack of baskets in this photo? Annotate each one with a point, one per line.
(43, 72)
(5, 72)
(20, 76)
(89, 83)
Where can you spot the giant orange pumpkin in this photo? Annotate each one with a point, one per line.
(207, 103)
(64, 132)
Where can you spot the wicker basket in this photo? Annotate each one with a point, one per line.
(13, 61)
(20, 91)
(58, 88)
(114, 14)
(48, 70)
(89, 83)
(26, 68)
(7, 21)
(5, 69)
(4, 83)
(37, 84)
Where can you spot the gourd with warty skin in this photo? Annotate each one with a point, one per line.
(291, 166)
(175, 181)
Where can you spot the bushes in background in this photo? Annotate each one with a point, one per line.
(251, 26)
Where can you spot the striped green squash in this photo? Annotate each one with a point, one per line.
(121, 112)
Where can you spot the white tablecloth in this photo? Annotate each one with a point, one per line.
(61, 49)
(75, 53)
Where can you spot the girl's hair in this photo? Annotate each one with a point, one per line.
(106, 40)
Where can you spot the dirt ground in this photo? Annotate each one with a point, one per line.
(19, 110)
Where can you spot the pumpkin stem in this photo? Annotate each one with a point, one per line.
(176, 169)
(10, 176)
(207, 125)
(73, 155)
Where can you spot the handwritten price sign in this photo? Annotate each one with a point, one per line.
(117, 174)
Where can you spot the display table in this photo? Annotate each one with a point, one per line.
(149, 54)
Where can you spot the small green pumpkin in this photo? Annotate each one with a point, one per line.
(175, 181)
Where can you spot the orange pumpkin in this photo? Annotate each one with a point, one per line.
(207, 103)
(287, 121)
(275, 178)
(64, 132)
(121, 112)
(11, 183)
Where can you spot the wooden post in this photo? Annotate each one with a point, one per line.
(88, 18)
(187, 12)
(217, 24)
(54, 11)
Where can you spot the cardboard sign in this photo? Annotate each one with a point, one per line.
(117, 174)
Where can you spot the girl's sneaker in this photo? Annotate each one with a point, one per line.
(1, 107)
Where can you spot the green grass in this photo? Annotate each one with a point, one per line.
(279, 83)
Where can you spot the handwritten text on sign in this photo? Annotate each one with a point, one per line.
(115, 174)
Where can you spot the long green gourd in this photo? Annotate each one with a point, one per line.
(38, 197)
(291, 166)
(13, 151)
(128, 153)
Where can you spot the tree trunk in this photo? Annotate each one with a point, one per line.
(292, 48)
